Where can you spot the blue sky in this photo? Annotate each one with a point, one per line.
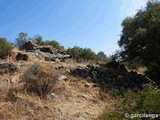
(95, 24)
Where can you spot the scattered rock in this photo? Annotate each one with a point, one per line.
(95, 86)
(53, 62)
(63, 96)
(18, 65)
(83, 115)
(15, 79)
(98, 63)
(62, 77)
(90, 66)
(59, 67)
(112, 65)
(86, 86)
(52, 95)
(67, 70)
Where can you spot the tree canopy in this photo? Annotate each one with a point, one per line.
(101, 54)
(21, 39)
(140, 38)
(5, 47)
(85, 54)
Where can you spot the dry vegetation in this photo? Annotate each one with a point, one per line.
(78, 99)
(35, 92)
(71, 99)
(40, 79)
(140, 70)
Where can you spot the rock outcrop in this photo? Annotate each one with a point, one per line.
(30, 45)
(112, 75)
(46, 53)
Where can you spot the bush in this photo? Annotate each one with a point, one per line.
(85, 54)
(73, 52)
(11, 95)
(53, 43)
(153, 72)
(5, 48)
(40, 79)
(146, 101)
(38, 39)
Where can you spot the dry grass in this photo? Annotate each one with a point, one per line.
(78, 99)
(71, 64)
(26, 107)
(15, 104)
(75, 99)
(140, 70)
(14, 53)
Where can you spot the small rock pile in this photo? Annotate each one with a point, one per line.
(7, 67)
(112, 75)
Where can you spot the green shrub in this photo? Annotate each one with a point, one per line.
(153, 72)
(5, 48)
(147, 101)
(85, 54)
(73, 52)
(38, 39)
(40, 79)
(53, 43)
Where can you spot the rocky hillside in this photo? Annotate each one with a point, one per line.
(80, 90)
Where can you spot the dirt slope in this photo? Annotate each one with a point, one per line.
(74, 98)
(77, 99)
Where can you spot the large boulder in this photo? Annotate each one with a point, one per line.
(62, 77)
(48, 49)
(41, 55)
(21, 56)
(30, 45)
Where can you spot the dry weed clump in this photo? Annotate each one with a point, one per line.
(4, 87)
(11, 95)
(26, 107)
(40, 79)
